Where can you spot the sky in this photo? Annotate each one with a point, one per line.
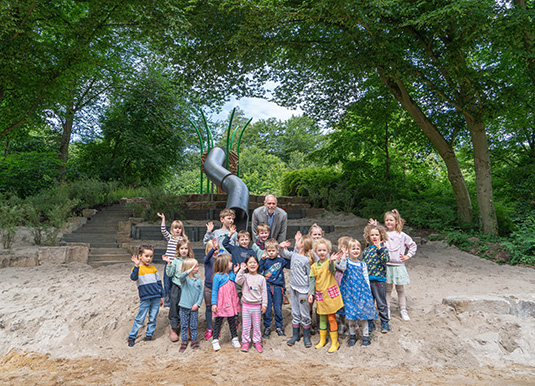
(257, 109)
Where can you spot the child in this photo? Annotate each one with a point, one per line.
(396, 273)
(272, 267)
(299, 283)
(150, 291)
(327, 293)
(241, 251)
(226, 216)
(254, 302)
(173, 270)
(338, 274)
(262, 234)
(315, 231)
(376, 257)
(190, 301)
(356, 293)
(212, 250)
(177, 233)
(225, 301)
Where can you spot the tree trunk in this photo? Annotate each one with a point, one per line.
(455, 176)
(482, 166)
(66, 138)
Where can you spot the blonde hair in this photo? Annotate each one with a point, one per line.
(344, 240)
(187, 264)
(315, 226)
(262, 227)
(371, 227)
(209, 247)
(399, 221)
(227, 212)
(326, 242)
(307, 243)
(178, 224)
(181, 243)
(271, 243)
(353, 242)
(221, 263)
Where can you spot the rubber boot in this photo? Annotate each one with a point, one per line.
(323, 339)
(295, 336)
(306, 337)
(334, 342)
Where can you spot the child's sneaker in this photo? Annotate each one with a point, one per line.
(385, 327)
(267, 333)
(404, 315)
(148, 338)
(131, 342)
(280, 331)
(352, 340)
(215, 345)
(245, 347)
(366, 341)
(258, 347)
(208, 334)
(236, 342)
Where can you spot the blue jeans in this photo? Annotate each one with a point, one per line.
(166, 286)
(275, 301)
(150, 306)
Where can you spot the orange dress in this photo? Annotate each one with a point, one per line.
(328, 296)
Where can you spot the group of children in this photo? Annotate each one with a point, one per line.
(341, 291)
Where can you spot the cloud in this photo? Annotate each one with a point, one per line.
(257, 109)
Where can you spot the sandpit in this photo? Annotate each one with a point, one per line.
(68, 324)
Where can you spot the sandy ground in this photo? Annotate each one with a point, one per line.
(68, 324)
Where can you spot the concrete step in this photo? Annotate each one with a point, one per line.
(122, 258)
(108, 251)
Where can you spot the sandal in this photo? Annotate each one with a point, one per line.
(195, 344)
(183, 346)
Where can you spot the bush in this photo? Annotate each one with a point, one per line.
(11, 214)
(25, 174)
(521, 243)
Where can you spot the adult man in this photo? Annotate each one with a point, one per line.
(269, 214)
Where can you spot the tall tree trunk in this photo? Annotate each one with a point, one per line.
(66, 138)
(483, 169)
(455, 176)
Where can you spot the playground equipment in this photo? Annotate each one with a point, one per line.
(216, 168)
(210, 145)
(238, 193)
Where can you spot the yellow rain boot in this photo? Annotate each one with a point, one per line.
(334, 342)
(323, 339)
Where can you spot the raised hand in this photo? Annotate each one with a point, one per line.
(209, 226)
(232, 230)
(166, 259)
(298, 235)
(243, 266)
(135, 259)
(284, 244)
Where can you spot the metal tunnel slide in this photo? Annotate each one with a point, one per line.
(238, 193)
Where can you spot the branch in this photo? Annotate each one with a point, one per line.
(24, 21)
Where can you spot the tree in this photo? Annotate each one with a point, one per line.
(424, 52)
(142, 133)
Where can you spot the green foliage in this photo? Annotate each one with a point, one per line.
(521, 244)
(161, 202)
(11, 215)
(260, 171)
(24, 174)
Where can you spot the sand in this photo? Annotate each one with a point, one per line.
(68, 324)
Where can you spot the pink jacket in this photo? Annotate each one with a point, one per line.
(397, 244)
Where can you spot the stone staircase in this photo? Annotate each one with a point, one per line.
(100, 232)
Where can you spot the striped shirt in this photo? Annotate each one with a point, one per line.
(148, 282)
(171, 243)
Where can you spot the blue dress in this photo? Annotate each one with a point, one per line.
(356, 293)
